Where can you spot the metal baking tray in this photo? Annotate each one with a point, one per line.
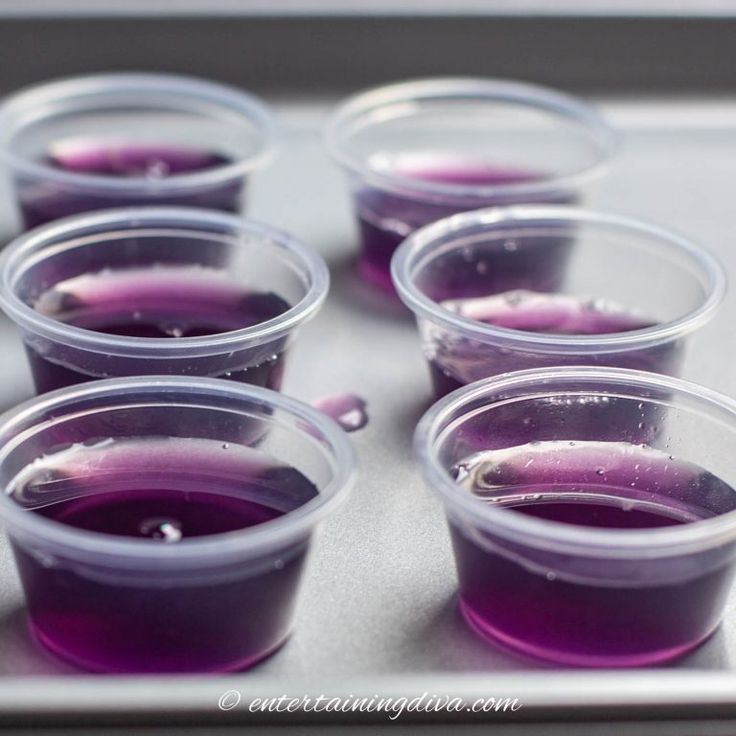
(378, 612)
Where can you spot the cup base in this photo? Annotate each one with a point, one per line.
(69, 657)
(577, 659)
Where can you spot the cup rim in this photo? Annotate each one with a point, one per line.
(422, 241)
(554, 535)
(200, 551)
(18, 108)
(453, 88)
(29, 319)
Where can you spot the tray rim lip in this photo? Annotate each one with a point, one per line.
(651, 693)
(535, 9)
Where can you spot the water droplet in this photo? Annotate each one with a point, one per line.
(551, 576)
(514, 298)
(225, 445)
(174, 330)
(348, 410)
(157, 169)
(165, 530)
(460, 472)
(45, 560)
(600, 471)
(278, 564)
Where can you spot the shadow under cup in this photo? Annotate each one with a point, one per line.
(575, 542)
(150, 291)
(124, 140)
(80, 462)
(491, 291)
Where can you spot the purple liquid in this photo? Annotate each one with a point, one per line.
(386, 218)
(44, 201)
(223, 617)
(597, 515)
(169, 515)
(459, 360)
(158, 302)
(600, 612)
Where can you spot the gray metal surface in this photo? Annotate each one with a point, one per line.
(378, 611)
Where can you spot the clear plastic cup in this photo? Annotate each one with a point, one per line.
(80, 461)
(152, 291)
(584, 549)
(418, 151)
(506, 289)
(121, 140)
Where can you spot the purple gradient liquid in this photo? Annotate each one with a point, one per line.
(227, 616)
(590, 612)
(44, 201)
(157, 302)
(458, 360)
(385, 218)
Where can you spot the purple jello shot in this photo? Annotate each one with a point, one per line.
(147, 291)
(120, 140)
(627, 294)
(161, 524)
(419, 151)
(582, 549)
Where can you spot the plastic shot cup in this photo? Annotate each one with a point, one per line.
(596, 552)
(418, 151)
(491, 292)
(147, 291)
(161, 524)
(121, 140)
